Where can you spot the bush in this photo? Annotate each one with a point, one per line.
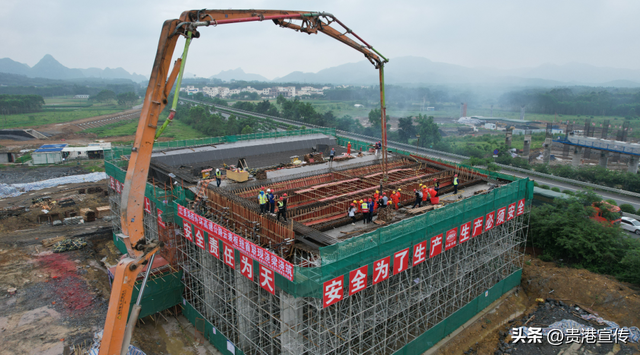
(625, 207)
(546, 187)
(564, 230)
(613, 202)
(542, 168)
(556, 189)
(546, 257)
(568, 192)
(535, 183)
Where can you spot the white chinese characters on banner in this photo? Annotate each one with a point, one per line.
(477, 227)
(199, 238)
(160, 221)
(253, 251)
(147, 205)
(488, 224)
(400, 261)
(246, 266)
(500, 216)
(511, 211)
(358, 279)
(419, 252)
(213, 246)
(520, 209)
(229, 255)
(188, 232)
(465, 232)
(267, 280)
(381, 270)
(333, 291)
(435, 247)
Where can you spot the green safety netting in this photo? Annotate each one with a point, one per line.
(340, 259)
(436, 333)
(161, 292)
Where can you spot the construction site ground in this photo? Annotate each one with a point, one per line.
(61, 299)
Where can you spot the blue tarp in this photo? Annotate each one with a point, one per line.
(50, 148)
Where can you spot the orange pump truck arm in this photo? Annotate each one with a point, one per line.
(117, 332)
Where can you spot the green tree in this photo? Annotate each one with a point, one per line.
(406, 129)
(375, 117)
(127, 98)
(104, 96)
(428, 131)
(247, 130)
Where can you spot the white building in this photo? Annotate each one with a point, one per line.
(491, 126)
(48, 154)
(81, 97)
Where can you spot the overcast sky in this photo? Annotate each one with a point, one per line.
(500, 34)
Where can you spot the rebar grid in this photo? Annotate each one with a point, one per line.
(378, 320)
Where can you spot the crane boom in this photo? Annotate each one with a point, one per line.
(155, 100)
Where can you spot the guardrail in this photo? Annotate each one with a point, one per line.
(418, 150)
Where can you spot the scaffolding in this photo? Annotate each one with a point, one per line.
(382, 319)
(405, 314)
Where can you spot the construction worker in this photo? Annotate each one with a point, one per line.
(372, 207)
(285, 199)
(425, 194)
(376, 197)
(455, 184)
(364, 207)
(332, 153)
(262, 200)
(282, 209)
(381, 203)
(352, 214)
(396, 202)
(359, 204)
(272, 201)
(433, 196)
(436, 185)
(418, 201)
(385, 199)
(218, 175)
(349, 148)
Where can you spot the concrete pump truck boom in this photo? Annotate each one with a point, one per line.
(117, 331)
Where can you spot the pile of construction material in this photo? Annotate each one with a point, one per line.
(313, 158)
(385, 214)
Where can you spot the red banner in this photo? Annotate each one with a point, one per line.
(333, 291)
(253, 251)
(358, 279)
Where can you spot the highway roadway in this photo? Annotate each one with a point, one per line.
(620, 199)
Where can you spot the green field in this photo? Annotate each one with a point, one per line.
(176, 130)
(490, 142)
(58, 110)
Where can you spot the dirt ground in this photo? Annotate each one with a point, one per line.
(563, 289)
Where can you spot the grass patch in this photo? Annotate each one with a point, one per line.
(176, 130)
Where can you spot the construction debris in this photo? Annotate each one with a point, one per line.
(68, 245)
(385, 214)
(73, 220)
(51, 241)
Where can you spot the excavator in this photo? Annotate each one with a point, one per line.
(117, 330)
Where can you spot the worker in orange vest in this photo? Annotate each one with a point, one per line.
(425, 193)
(433, 196)
(349, 148)
(394, 198)
(398, 197)
(376, 197)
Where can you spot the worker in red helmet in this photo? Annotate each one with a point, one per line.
(385, 199)
(282, 209)
(372, 205)
(364, 207)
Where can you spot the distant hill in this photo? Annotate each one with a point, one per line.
(49, 68)
(418, 70)
(238, 74)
